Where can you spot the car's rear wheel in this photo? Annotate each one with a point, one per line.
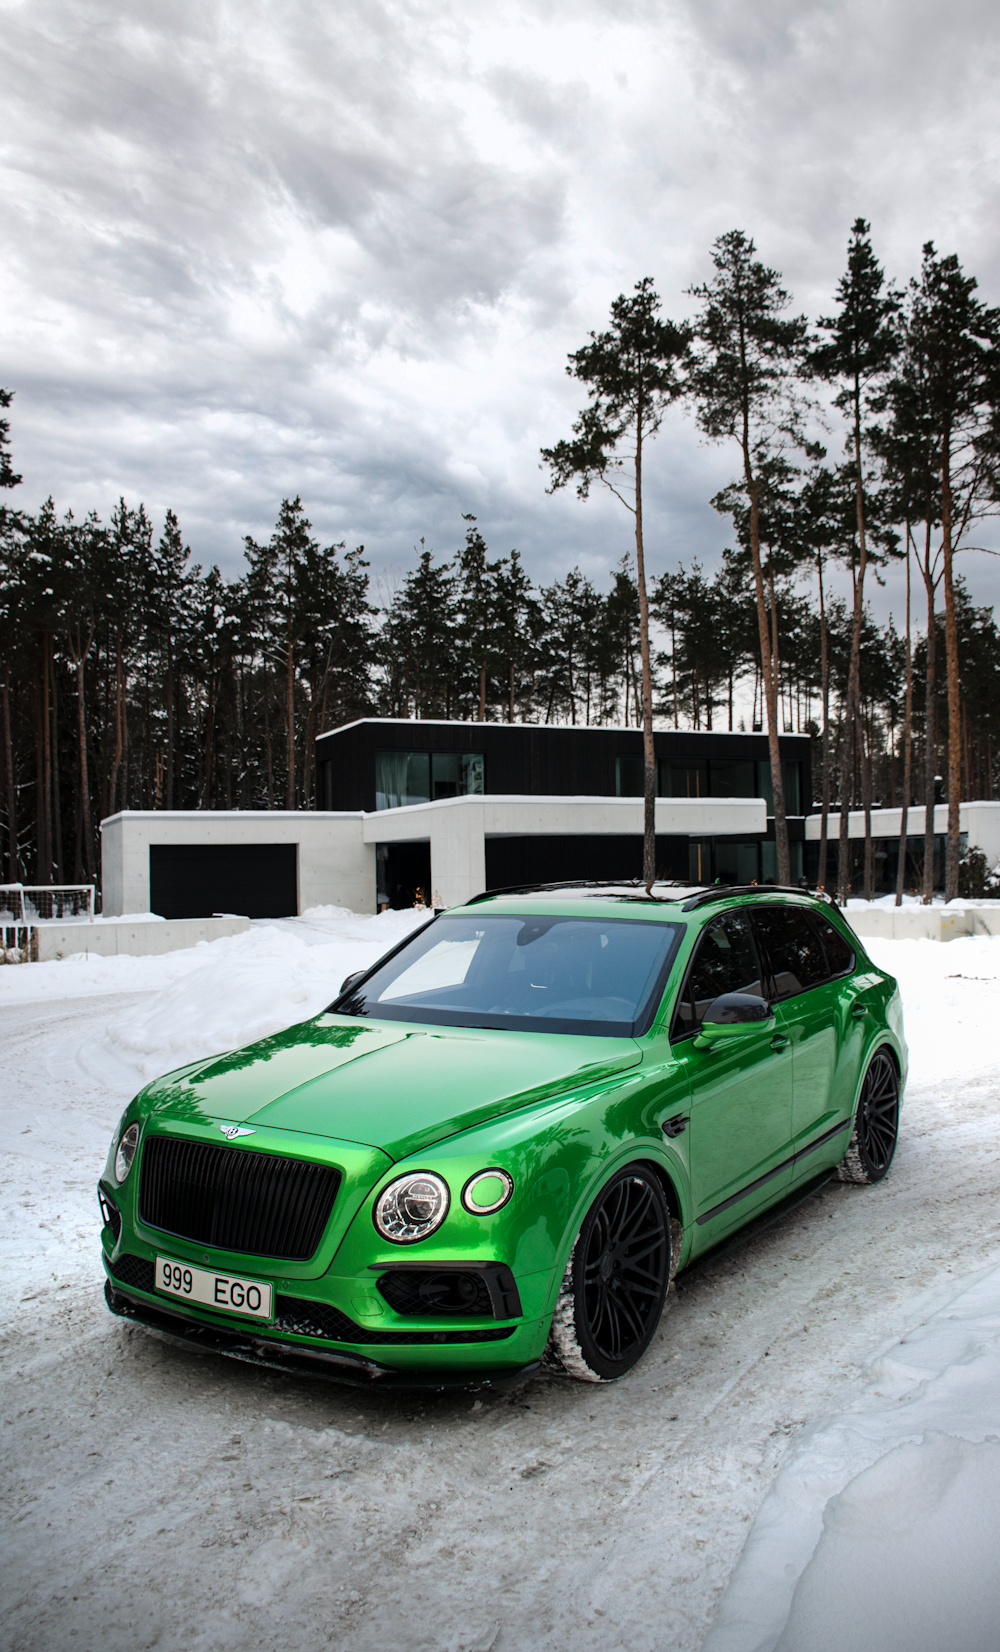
(615, 1283)
(876, 1123)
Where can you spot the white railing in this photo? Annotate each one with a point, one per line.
(26, 906)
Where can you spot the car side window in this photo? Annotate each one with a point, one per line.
(725, 960)
(792, 948)
(839, 955)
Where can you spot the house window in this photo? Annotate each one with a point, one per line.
(403, 777)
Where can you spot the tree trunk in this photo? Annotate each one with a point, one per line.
(824, 667)
(170, 730)
(482, 692)
(767, 675)
(15, 873)
(510, 694)
(79, 661)
(954, 683)
(867, 735)
(116, 763)
(648, 751)
(930, 732)
(907, 741)
(290, 714)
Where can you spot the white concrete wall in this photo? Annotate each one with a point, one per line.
(457, 827)
(929, 923)
(980, 820)
(336, 865)
(141, 940)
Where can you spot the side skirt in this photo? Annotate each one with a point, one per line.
(786, 1164)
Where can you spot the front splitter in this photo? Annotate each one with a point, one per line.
(353, 1369)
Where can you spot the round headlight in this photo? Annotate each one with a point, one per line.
(411, 1207)
(486, 1192)
(126, 1152)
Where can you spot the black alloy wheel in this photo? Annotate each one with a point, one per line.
(876, 1123)
(616, 1282)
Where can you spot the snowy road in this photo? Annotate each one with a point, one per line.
(157, 1497)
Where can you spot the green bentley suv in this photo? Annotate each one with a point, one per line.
(498, 1145)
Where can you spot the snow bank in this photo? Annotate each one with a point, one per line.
(949, 1002)
(882, 1528)
(218, 994)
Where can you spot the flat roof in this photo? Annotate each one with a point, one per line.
(575, 728)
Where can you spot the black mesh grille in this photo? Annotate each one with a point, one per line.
(235, 1199)
(303, 1318)
(136, 1271)
(420, 1295)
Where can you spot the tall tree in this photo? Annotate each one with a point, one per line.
(749, 356)
(861, 344)
(632, 373)
(953, 341)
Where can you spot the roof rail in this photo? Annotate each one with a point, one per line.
(637, 885)
(719, 891)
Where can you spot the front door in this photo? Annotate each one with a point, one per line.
(741, 1089)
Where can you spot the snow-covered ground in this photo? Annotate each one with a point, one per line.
(157, 1497)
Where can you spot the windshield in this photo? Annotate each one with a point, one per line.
(584, 975)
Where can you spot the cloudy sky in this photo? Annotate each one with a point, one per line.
(253, 248)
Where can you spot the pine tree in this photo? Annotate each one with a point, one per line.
(632, 373)
(743, 383)
(862, 344)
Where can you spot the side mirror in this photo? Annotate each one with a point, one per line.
(349, 980)
(733, 1015)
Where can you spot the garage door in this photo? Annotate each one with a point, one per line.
(193, 880)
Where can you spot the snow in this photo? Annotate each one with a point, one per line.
(826, 1383)
(900, 1495)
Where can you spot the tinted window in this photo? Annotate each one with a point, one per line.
(541, 974)
(725, 961)
(792, 947)
(839, 956)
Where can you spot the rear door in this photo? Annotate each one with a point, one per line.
(811, 1012)
(741, 1090)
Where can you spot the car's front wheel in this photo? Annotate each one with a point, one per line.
(615, 1283)
(876, 1123)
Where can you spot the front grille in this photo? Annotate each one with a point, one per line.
(302, 1318)
(418, 1295)
(136, 1271)
(235, 1199)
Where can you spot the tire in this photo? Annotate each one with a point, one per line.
(616, 1280)
(876, 1123)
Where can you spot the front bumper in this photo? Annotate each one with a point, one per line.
(296, 1359)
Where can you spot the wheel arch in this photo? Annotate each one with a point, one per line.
(622, 1161)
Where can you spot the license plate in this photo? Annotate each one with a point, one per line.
(214, 1290)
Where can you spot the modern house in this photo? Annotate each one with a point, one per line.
(411, 811)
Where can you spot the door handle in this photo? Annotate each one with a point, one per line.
(859, 1011)
(780, 1042)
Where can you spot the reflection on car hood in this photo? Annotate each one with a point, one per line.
(392, 1086)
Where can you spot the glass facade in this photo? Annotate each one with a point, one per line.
(713, 777)
(403, 777)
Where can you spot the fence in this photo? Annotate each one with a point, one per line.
(25, 906)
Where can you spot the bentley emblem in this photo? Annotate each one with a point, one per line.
(232, 1130)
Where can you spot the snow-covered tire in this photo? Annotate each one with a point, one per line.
(876, 1123)
(612, 1294)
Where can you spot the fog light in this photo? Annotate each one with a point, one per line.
(412, 1207)
(487, 1191)
(126, 1153)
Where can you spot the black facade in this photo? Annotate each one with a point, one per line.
(533, 760)
(361, 766)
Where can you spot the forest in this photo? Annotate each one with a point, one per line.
(132, 677)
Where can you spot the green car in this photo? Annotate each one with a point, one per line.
(498, 1145)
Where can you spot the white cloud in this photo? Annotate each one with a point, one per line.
(256, 249)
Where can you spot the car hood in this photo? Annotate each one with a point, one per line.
(389, 1085)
